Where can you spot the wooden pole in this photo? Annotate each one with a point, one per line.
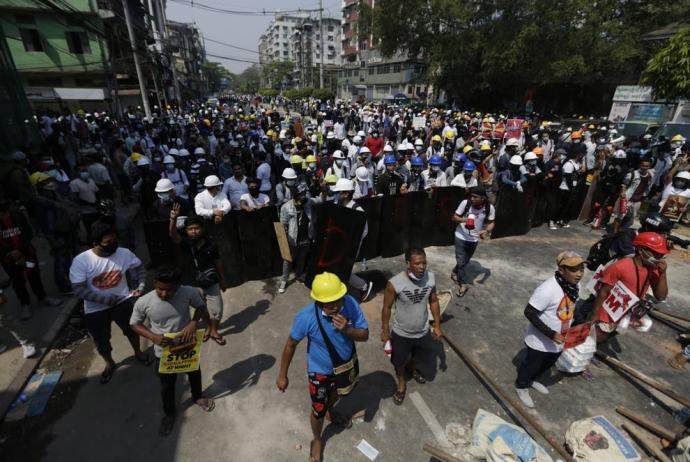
(673, 315)
(509, 398)
(668, 320)
(439, 454)
(616, 364)
(646, 423)
(645, 443)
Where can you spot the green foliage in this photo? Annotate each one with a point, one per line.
(482, 51)
(273, 74)
(295, 93)
(323, 94)
(668, 72)
(248, 80)
(214, 73)
(268, 92)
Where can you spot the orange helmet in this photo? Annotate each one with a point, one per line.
(576, 135)
(538, 151)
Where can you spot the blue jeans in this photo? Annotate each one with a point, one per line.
(686, 352)
(463, 253)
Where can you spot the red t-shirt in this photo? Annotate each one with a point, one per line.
(375, 145)
(624, 270)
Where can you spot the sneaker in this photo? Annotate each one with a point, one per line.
(3, 348)
(366, 293)
(523, 394)
(540, 388)
(282, 286)
(552, 225)
(25, 313)
(565, 225)
(51, 301)
(29, 350)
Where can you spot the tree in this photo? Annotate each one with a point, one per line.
(668, 72)
(248, 80)
(273, 74)
(215, 74)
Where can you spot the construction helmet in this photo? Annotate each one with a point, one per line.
(418, 142)
(651, 241)
(168, 159)
(289, 174)
(338, 154)
(512, 142)
(516, 160)
(296, 159)
(685, 175)
(343, 184)
(435, 160)
(199, 151)
(39, 177)
(143, 161)
(327, 287)
(362, 174)
(531, 156)
(417, 162)
(469, 166)
(331, 179)
(311, 158)
(450, 135)
(575, 135)
(483, 147)
(164, 185)
(389, 159)
(467, 148)
(184, 153)
(538, 151)
(678, 137)
(436, 138)
(364, 150)
(173, 152)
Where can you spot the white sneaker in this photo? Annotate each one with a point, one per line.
(552, 225)
(540, 388)
(523, 394)
(3, 348)
(25, 313)
(29, 350)
(565, 225)
(282, 286)
(51, 301)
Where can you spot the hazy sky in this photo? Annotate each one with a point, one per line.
(238, 30)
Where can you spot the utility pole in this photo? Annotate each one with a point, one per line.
(321, 44)
(137, 64)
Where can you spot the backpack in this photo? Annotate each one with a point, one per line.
(468, 207)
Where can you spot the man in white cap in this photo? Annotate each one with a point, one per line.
(167, 197)
(212, 204)
(176, 175)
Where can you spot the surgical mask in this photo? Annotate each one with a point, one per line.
(419, 148)
(50, 186)
(254, 192)
(291, 183)
(412, 276)
(157, 159)
(170, 167)
(577, 141)
(312, 166)
(435, 168)
(226, 160)
(680, 184)
(531, 163)
(339, 162)
(84, 175)
(648, 259)
(164, 197)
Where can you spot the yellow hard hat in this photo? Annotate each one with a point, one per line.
(331, 179)
(436, 138)
(297, 140)
(38, 177)
(485, 147)
(678, 138)
(270, 133)
(591, 127)
(450, 135)
(135, 157)
(207, 122)
(311, 158)
(467, 148)
(252, 117)
(296, 159)
(327, 288)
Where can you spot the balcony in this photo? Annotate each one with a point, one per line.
(349, 51)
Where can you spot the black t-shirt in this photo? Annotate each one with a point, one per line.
(205, 256)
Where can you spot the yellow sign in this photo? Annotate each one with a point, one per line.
(179, 358)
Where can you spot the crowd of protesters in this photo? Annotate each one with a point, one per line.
(96, 178)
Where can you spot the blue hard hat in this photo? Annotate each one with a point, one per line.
(459, 157)
(435, 160)
(389, 159)
(417, 162)
(469, 166)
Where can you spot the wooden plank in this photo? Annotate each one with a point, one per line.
(439, 454)
(647, 445)
(646, 423)
(282, 241)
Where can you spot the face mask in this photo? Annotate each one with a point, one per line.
(649, 260)
(164, 197)
(170, 167)
(254, 192)
(576, 141)
(50, 186)
(157, 159)
(339, 162)
(312, 166)
(109, 249)
(419, 148)
(290, 183)
(412, 276)
(434, 168)
(226, 160)
(679, 184)
(531, 163)
(84, 175)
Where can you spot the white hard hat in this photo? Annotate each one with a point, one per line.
(512, 142)
(343, 184)
(184, 153)
(619, 154)
(361, 134)
(199, 151)
(357, 139)
(164, 185)
(168, 160)
(685, 175)
(178, 142)
(362, 174)
(364, 150)
(388, 148)
(289, 174)
(516, 160)
(418, 142)
(345, 143)
(530, 156)
(143, 161)
(338, 154)
(173, 152)
(330, 135)
(212, 181)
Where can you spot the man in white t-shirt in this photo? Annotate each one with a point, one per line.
(550, 312)
(98, 275)
(253, 199)
(475, 218)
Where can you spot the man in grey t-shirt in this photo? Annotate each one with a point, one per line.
(167, 308)
(410, 290)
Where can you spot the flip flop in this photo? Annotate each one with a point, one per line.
(167, 424)
(206, 337)
(399, 397)
(219, 340)
(209, 406)
(418, 377)
(107, 375)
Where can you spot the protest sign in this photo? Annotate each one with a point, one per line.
(577, 335)
(179, 358)
(514, 128)
(674, 207)
(418, 122)
(619, 301)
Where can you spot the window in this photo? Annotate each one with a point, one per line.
(356, 72)
(78, 42)
(331, 28)
(285, 53)
(396, 67)
(385, 69)
(31, 39)
(371, 70)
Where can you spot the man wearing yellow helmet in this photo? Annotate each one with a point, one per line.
(436, 147)
(331, 324)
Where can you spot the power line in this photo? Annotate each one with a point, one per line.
(231, 46)
(264, 12)
(230, 58)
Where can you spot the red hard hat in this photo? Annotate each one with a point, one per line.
(652, 241)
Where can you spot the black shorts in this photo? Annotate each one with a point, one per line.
(320, 389)
(98, 324)
(405, 348)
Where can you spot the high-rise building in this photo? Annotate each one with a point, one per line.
(189, 53)
(366, 73)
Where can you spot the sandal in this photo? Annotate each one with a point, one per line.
(166, 426)
(399, 397)
(341, 420)
(208, 404)
(144, 359)
(219, 340)
(418, 377)
(206, 337)
(461, 293)
(106, 375)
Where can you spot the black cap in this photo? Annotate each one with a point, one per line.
(478, 191)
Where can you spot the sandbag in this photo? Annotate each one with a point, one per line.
(495, 440)
(576, 359)
(681, 453)
(595, 439)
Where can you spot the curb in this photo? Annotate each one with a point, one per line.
(31, 364)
